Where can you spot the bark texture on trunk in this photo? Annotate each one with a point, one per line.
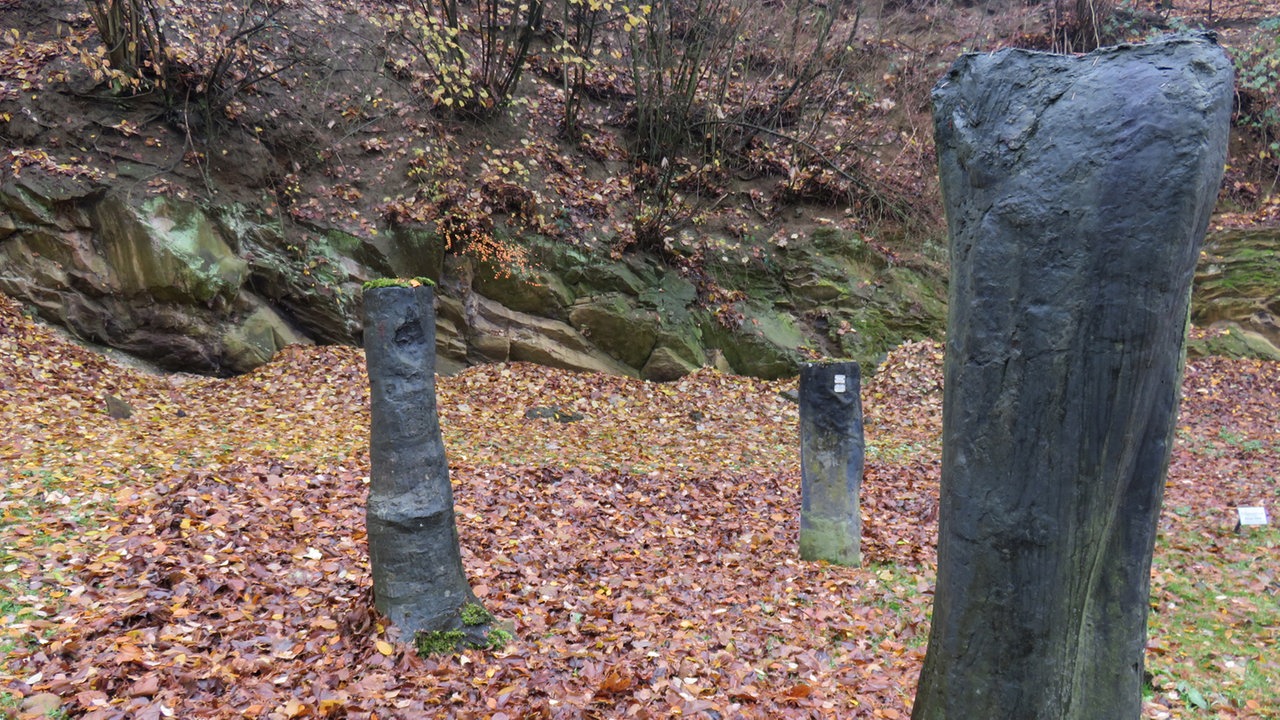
(1077, 192)
(831, 460)
(418, 579)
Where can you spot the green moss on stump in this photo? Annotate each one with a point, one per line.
(475, 633)
(830, 540)
(444, 642)
(473, 615)
(438, 642)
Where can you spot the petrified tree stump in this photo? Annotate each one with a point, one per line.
(1077, 192)
(418, 579)
(831, 458)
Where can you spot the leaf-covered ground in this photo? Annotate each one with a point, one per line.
(206, 556)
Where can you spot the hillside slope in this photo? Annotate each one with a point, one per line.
(691, 185)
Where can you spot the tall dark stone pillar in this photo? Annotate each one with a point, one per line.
(831, 458)
(1077, 192)
(418, 579)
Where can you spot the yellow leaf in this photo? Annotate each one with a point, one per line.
(385, 647)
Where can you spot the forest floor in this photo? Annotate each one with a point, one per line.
(206, 558)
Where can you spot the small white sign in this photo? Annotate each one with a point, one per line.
(840, 383)
(1252, 515)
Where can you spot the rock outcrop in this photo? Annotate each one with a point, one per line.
(1238, 292)
(220, 290)
(157, 280)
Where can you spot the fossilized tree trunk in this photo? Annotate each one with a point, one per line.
(418, 579)
(1077, 192)
(831, 458)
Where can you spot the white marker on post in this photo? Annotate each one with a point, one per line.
(1252, 515)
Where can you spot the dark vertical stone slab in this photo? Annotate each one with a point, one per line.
(418, 579)
(831, 459)
(1077, 192)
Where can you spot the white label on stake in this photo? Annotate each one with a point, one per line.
(840, 386)
(1252, 515)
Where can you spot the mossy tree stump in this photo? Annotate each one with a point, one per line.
(831, 462)
(418, 579)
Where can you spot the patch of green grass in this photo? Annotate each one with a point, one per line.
(901, 589)
(1215, 622)
(894, 452)
(1198, 444)
(11, 608)
(499, 638)
(11, 706)
(50, 506)
(1240, 440)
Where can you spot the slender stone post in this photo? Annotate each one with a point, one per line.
(1077, 193)
(418, 579)
(831, 457)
